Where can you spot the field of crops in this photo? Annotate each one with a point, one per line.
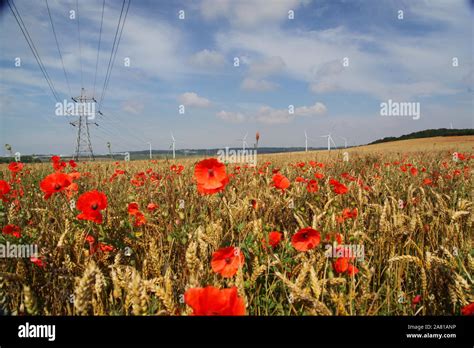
(367, 233)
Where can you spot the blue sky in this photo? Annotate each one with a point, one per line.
(283, 62)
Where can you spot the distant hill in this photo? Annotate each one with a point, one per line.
(428, 133)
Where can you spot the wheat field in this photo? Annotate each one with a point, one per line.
(409, 208)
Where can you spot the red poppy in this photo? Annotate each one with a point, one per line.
(211, 176)
(468, 310)
(312, 186)
(15, 167)
(337, 187)
(319, 175)
(347, 214)
(416, 300)
(133, 208)
(53, 183)
(177, 168)
(4, 190)
(352, 270)
(427, 182)
(341, 265)
(12, 230)
(280, 181)
(413, 171)
(72, 164)
(152, 206)
(226, 261)
(90, 204)
(139, 219)
(348, 177)
(38, 261)
(274, 239)
(300, 179)
(306, 239)
(59, 166)
(105, 248)
(214, 301)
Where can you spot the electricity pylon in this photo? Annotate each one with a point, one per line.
(83, 140)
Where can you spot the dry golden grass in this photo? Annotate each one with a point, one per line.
(425, 248)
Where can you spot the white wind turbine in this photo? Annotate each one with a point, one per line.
(345, 141)
(305, 141)
(173, 145)
(329, 140)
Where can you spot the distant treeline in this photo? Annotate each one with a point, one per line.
(24, 159)
(428, 133)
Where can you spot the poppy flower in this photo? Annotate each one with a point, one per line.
(133, 208)
(347, 213)
(274, 239)
(226, 261)
(152, 206)
(352, 270)
(38, 261)
(210, 176)
(15, 167)
(280, 181)
(306, 239)
(319, 175)
(254, 204)
(105, 248)
(348, 177)
(312, 186)
(53, 183)
(468, 310)
(90, 204)
(300, 179)
(139, 219)
(4, 189)
(214, 301)
(427, 182)
(341, 265)
(413, 171)
(12, 230)
(416, 300)
(72, 164)
(71, 190)
(177, 168)
(59, 166)
(337, 187)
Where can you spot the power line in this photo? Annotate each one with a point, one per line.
(32, 46)
(98, 49)
(113, 53)
(59, 50)
(79, 37)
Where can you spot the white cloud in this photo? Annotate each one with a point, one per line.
(245, 13)
(400, 68)
(206, 58)
(270, 115)
(267, 66)
(256, 85)
(235, 117)
(192, 99)
(316, 109)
